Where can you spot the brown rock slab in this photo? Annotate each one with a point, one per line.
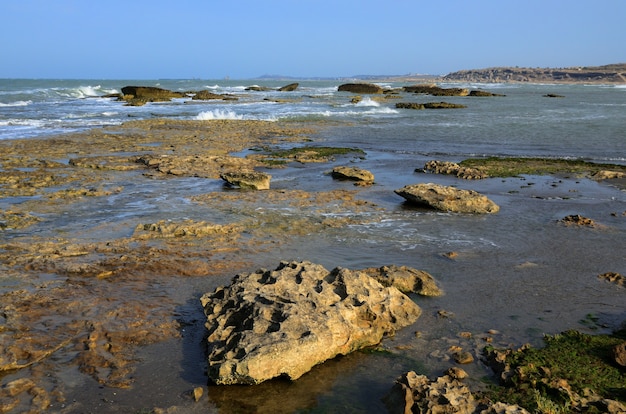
(247, 180)
(352, 173)
(366, 88)
(445, 198)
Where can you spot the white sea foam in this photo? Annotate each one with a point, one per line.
(218, 114)
(17, 103)
(367, 102)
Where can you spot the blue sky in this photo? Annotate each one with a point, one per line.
(151, 39)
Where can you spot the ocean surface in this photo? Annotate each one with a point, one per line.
(518, 273)
(588, 123)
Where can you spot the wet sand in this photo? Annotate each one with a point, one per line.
(109, 238)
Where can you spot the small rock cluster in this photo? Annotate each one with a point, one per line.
(452, 168)
(415, 393)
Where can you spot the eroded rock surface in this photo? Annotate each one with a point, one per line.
(415, 393)
(352, 173)
(247, 179)
(448, 198)
(283, 322)
(452, 168)
(578, 220)
(613, 277)
(405, 279)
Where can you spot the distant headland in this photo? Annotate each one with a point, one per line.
(613, 73)
(607, 74)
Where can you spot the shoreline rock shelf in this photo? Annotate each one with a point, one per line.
(283, 322)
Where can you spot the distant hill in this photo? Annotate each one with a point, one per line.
(614, 73)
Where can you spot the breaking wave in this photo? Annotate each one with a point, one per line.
(218, 114)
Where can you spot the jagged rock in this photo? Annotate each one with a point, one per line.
(406, 279)
(414, 393)
(367, 88)
(456, 373)
(613, 277)
(448, 198)
(452, 168)
(283, 322)
(352, 173)
(578, 220)
(289, 88)
(247, 179)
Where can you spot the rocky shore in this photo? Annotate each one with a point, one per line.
(82, 301)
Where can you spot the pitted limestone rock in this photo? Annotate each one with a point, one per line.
(283, 322)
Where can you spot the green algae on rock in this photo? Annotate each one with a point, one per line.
(511, 166)
(572, 370)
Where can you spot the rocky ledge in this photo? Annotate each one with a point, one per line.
(283, 322)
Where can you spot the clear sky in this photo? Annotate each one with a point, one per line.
(151, 39)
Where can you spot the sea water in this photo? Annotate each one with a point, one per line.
(518, 272)
(589, 122)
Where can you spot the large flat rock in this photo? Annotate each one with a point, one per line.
(283, 322)
(448, 198)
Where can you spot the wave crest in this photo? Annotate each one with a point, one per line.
(218, 114)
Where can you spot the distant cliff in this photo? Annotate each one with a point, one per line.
(614, 73)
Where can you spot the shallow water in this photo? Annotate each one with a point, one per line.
(520, 272)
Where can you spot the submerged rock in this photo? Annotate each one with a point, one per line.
(283, 322)
(448, 198)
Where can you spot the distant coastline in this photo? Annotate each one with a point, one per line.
(606, 74)
(613, 73)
